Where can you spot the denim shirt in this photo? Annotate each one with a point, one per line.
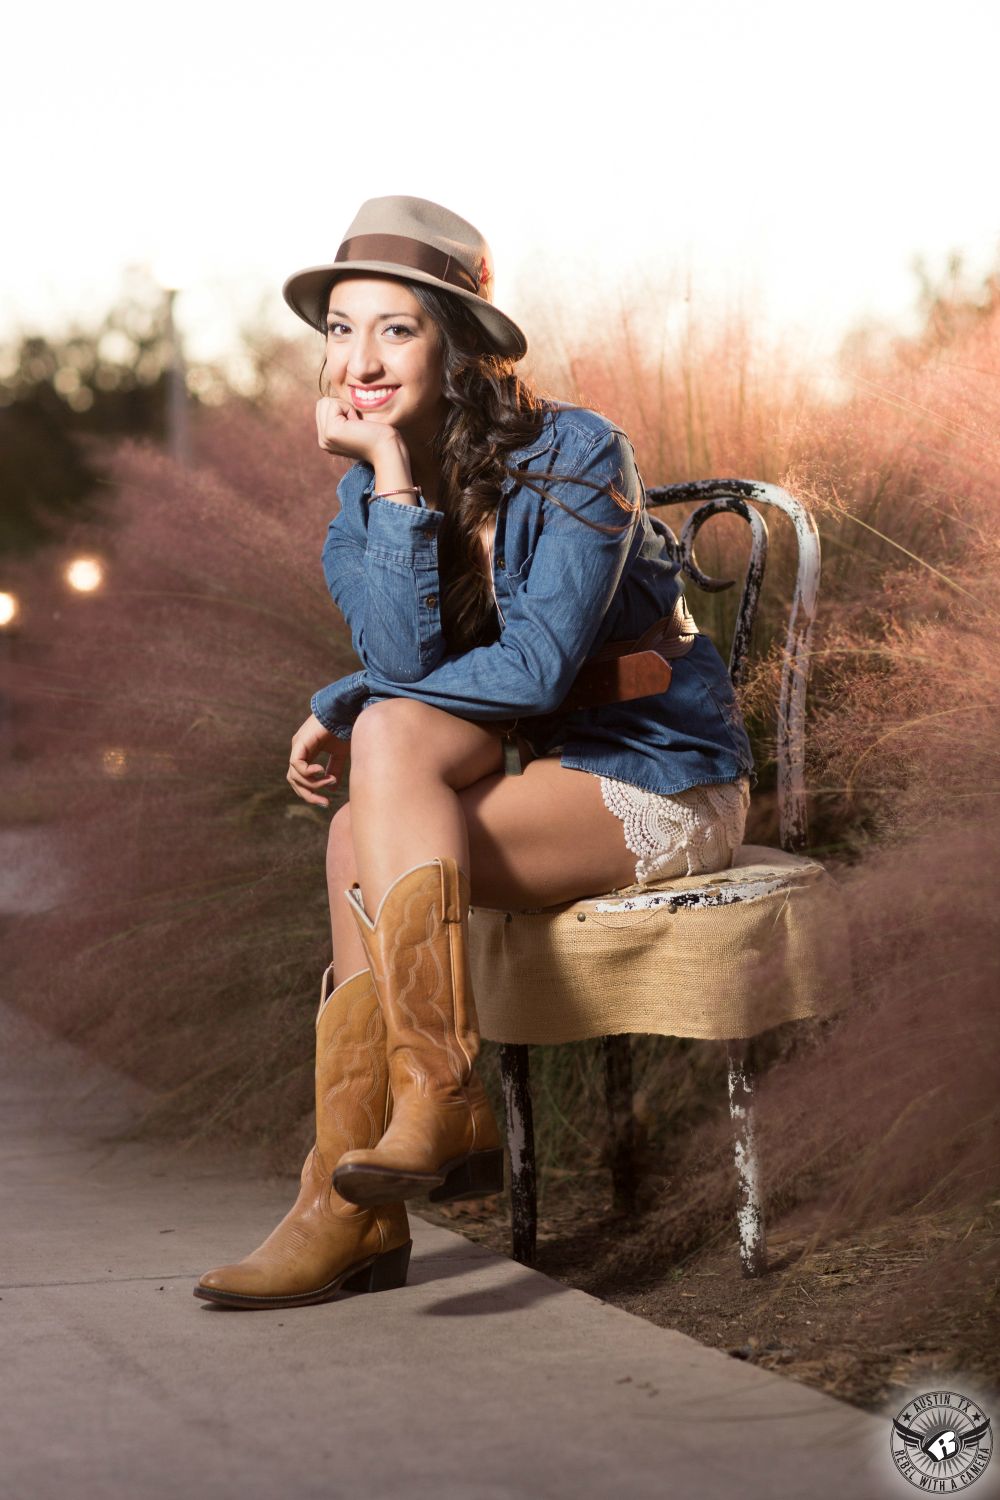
(562, 590)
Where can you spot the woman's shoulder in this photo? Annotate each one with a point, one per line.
(581, 422)
(568, 431)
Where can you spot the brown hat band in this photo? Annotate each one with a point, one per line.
(404, 251)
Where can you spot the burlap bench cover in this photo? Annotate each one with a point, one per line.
(745, 948)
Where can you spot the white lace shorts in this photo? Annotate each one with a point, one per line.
(692, 832)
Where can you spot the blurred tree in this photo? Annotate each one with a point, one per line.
(56, 394)
(951, 304)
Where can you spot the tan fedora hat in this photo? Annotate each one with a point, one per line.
(415, 240)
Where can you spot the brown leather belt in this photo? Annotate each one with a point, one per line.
(619, 671)
(622, 669)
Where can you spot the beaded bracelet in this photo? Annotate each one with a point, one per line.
(407, 489)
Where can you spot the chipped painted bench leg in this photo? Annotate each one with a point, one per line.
(750, 1213)
(621, 1120)
(521, 1144)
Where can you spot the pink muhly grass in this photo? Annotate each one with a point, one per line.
(190, 941)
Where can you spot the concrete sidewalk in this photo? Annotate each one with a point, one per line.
(478, 1379)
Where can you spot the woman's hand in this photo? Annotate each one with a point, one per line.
(343, 430)
(304, 774)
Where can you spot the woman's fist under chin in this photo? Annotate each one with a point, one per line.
(343, 430)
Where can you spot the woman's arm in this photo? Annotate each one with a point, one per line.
(554, 617)
(384, 580)
(380, 560)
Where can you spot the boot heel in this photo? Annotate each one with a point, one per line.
(384, 1274)
(477, 1177)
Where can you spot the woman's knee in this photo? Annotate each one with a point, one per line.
(405, 735)
(383, 728)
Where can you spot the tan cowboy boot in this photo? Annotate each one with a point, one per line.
(443, 1139)
(325, 1245)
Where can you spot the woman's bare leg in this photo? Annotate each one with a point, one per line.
(524, 841)
(408, 763)
(341, 872)
(425, 783)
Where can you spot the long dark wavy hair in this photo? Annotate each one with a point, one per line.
(492, 411)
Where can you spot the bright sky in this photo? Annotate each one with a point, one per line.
(797, 155)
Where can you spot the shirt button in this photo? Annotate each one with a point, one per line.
(501, 562)
(431, 600)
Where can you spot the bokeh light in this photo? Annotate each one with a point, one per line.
(85, 574)
(115, 761)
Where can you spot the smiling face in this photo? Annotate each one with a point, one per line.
(384, 355)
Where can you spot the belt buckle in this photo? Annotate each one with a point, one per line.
(512, 763)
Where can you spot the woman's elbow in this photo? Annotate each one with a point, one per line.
(390, 661)
(544, 693)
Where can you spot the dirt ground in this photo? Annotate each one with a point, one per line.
(839, 1316)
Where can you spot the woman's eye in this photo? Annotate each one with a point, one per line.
(332, 327)
(398, 328)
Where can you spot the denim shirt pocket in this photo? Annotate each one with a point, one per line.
(515, 577)
(507, 582)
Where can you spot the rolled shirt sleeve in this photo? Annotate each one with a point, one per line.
(553, 618)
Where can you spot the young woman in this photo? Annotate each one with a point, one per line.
(489, 544)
